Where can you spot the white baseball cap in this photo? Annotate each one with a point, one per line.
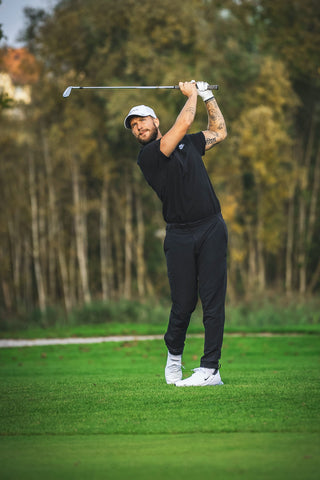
(138, 111)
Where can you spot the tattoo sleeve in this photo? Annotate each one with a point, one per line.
(216, 130)
(210, 141)
(192, 110)
(216, 121)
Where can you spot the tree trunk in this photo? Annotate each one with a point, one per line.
(51, 220)
(261, 276)
(289, 246)
(27, 269)
(80, 232)
(64, 277)
(55, 237)
(141, 267)
(44, 247)
(252, 268)
(314, 279)
(302, 245)
(314, 198)
(261, 270)
(118, 258)
(128, 242)
(16, 248)
(6, 295)
(73, 272)
(35, 235)
(304, 181)
(104, 243)
(313, 216)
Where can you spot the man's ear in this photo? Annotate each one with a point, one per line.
(156, 122)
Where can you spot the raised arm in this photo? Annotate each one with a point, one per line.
(170, 140)
(216, 130)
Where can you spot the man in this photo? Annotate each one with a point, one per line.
(196, 236)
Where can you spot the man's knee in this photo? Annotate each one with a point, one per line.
(183, 311)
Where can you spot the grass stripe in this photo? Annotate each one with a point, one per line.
(104, 411)
(188, 456)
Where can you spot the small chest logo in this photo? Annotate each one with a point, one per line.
(181, 146)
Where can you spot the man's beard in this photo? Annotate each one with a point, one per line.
(153, 136)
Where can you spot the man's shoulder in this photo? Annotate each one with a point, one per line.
(195, 136)
(197, 141)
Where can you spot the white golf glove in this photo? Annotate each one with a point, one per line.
(203, 91)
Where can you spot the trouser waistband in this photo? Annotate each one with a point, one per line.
(192, 224)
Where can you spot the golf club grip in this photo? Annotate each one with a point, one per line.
(209, 87)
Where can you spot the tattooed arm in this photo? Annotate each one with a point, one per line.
(216, 130)
(170, 140)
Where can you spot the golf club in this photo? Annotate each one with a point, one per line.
(67, 91)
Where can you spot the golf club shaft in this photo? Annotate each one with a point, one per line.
(67, 91)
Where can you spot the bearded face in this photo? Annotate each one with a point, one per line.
(145, 129)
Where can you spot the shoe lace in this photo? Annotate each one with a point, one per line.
(198, 370)
(215, 371)
(202, 371)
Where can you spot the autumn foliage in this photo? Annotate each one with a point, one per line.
(79, 221)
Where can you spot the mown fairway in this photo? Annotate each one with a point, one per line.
(104, 411)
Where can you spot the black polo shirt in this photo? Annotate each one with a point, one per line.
(181, 181)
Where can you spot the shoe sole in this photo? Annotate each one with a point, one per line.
(173, 382)
(199, 385)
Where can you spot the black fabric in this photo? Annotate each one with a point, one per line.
(196, 257)
(195, 244)
(181, 181)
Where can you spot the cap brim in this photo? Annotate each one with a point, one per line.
(127, 121)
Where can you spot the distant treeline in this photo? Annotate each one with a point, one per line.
(78, 223)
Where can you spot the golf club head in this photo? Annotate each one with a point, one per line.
(67, 92)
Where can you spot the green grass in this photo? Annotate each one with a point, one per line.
(144, 457)
(104, 411)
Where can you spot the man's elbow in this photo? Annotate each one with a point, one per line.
(186, 124)
(182, 128)
(223, 135)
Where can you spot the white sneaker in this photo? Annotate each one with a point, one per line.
(173, 370)
(201, 377)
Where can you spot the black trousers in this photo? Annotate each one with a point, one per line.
(196, 255)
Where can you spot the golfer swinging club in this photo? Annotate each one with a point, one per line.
(196, 235)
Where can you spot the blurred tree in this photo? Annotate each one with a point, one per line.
(97, 227)
(290, 31)
(5, 101)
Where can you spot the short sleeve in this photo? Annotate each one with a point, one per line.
(199, 142)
